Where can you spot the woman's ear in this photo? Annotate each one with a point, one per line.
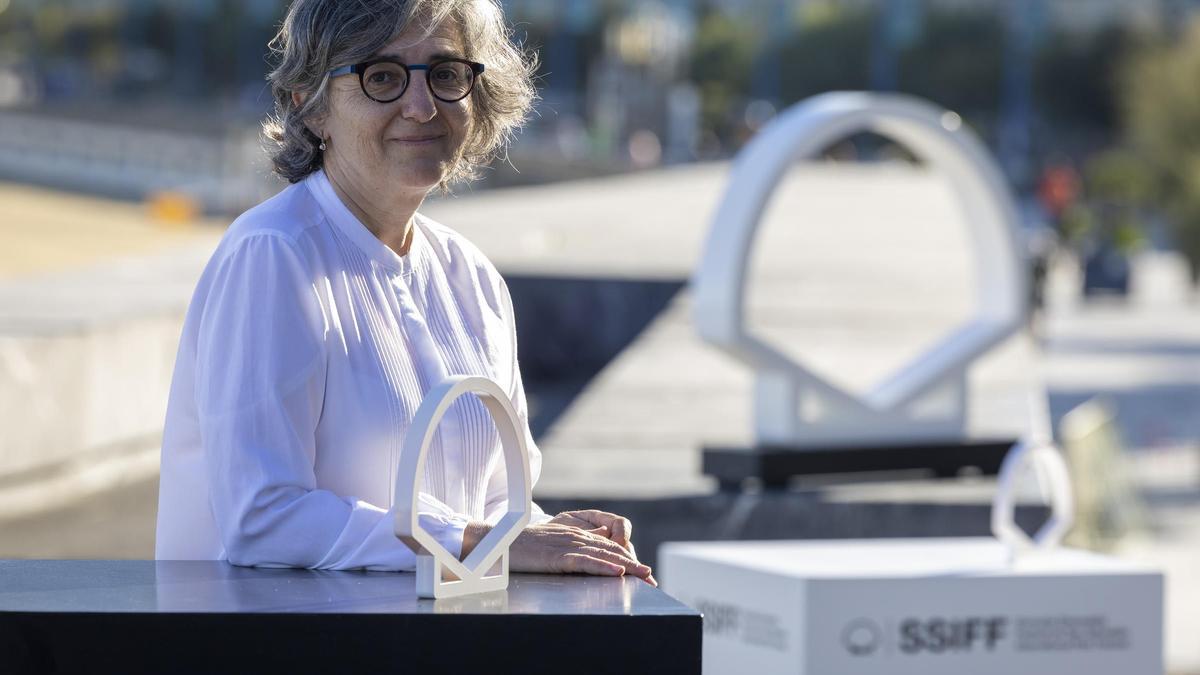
(298, 99)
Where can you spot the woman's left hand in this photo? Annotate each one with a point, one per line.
(616, 528)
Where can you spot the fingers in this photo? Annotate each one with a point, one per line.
(614, 553)
(584, 525)
(621, 530)
(579, 563)
(600, 547)
(629, 565)
(570, 520)
(557, 547)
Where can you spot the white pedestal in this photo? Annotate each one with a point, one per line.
(916, 606)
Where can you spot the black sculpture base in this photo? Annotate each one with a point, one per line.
(63, 616)
(775, 466)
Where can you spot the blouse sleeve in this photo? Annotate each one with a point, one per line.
(496, 504)
(260, 382)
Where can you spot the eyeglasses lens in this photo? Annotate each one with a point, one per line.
(384, 81)
(451, 81)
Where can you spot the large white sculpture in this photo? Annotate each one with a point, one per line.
(795, 407)
(475, 574)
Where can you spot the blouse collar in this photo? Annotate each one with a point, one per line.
(349, 224)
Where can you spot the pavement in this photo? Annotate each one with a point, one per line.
(45, 231)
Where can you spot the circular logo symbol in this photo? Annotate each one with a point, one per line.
(862, 637)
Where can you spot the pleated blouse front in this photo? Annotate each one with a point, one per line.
(306, 350)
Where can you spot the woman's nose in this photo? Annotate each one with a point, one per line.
(418, 103)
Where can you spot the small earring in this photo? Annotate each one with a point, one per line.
(322, 146)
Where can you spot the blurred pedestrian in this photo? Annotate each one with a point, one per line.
(1058, 190)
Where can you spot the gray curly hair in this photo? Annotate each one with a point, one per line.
(320, 35)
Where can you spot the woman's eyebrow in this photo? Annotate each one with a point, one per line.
(432, 57)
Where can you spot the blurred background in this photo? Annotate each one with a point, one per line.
(1086, 103)
(130, 137)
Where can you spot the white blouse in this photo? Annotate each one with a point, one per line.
(306, 350)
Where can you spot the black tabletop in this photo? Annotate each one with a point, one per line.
(144, 615)
(204, 586)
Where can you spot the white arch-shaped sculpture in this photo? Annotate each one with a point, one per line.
(432, 558)
(939, 139)
(1055, 479)
(1035, 450)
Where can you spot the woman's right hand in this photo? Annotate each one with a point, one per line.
(563, 549)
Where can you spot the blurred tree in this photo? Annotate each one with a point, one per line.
(957, 62)
(1161, 99)
(830, 51)
(566, 38)
(955, 59)
(1076, 77)
(719, 65)
(1119, 192)
(1119, 176)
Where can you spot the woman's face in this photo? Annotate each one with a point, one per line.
(409, 144)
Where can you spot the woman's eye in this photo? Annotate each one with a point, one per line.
(379, 78)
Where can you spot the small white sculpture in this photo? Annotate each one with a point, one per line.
(1037, 451)
(784, 388)
(433, 560)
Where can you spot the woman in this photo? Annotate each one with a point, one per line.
(328, 311)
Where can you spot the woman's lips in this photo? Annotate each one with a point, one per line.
(418, 140)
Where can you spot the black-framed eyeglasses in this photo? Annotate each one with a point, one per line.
(385, 79)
